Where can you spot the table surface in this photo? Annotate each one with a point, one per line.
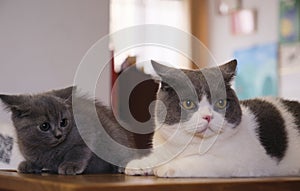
(10, 180)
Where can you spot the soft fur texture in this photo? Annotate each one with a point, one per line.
(202, 130)
(48, 136)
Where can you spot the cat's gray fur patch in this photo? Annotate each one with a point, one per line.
(271, 128)
(294, 108)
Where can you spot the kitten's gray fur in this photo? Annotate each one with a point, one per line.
(59, 149)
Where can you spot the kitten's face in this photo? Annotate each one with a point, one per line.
(42, 120)
(200, 101)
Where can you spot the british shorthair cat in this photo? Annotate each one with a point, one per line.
(203, 130)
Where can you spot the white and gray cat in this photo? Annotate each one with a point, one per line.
(48, 136)
(203, 130)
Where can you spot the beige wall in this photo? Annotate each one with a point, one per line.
(43, 41)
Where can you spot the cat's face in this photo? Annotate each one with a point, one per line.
(42, 120)
(201, 102)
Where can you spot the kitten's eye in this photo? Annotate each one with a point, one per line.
(64, 122)
(221, 104)
(188, 104)
(45, 126)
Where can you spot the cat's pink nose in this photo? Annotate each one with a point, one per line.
(207, 118)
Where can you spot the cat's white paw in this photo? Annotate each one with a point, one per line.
(165, 171)
(138, 167)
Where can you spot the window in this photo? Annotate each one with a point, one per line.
(174, 13)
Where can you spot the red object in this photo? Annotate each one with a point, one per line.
(114, 87)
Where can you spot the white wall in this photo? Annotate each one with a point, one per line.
(43, 41)
(223, 43)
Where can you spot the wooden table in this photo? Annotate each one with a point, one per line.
(49, 182)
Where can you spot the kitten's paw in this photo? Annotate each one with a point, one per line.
(138, 167)
(165, 171)
(70, 168)
(28, 167)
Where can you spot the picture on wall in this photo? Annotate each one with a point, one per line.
(243, 22)
(257, 71)
(289, 21)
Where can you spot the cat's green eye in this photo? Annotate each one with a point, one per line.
(45, 126)
(188, 104)
(221, 104)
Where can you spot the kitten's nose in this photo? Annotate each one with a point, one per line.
(58, 134)
(207, 118)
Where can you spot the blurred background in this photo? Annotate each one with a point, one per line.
(262, 35)
(42, 42)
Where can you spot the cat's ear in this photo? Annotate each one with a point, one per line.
(162, 70)
(229, 70)
(15, 103)
(165, 73)
(65, 93)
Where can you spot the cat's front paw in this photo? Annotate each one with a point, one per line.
(70, 168)
(29, 167)
(138, 167)
(165, 171)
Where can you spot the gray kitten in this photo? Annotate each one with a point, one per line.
(49, 138)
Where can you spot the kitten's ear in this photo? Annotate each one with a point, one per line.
(15, 103)
(65, 93)
(229, 70)
(12, 100)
